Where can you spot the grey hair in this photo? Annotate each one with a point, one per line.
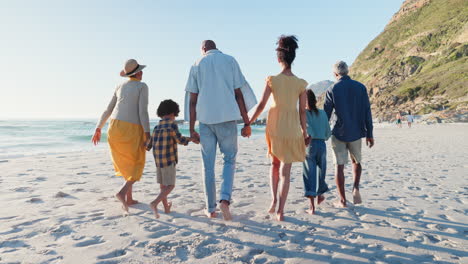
(341, 68)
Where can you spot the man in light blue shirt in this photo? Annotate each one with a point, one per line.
(216, 99)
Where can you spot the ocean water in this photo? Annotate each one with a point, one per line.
(19, 138)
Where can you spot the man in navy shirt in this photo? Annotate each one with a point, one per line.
(353, 118)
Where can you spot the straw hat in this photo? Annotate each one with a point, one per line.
(131, 67)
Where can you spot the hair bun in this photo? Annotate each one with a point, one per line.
(287, 43)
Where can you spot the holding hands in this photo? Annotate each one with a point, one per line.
(194, 137)
(246, 131)
(307, 138)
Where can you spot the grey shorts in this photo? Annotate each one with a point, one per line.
(341, 149)
(166, 175)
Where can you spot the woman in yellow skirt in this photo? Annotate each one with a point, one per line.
(128, 130)
(286, 132)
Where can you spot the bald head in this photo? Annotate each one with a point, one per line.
(208, 45)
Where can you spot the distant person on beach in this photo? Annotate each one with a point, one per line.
(315, 164)
(128, 130)
(286, 132)
(216, 89)
(164, 142)
(409, 118)
(350, 101)
(398, 119)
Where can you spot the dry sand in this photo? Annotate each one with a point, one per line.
(61, 209)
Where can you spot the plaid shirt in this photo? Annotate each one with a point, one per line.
(164, 141)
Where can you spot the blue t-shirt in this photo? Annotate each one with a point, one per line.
(353, 115)
(317, 125)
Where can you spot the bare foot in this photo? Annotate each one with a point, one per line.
(320, 199)
(168, 208)
(279, 216)
(211, 215)
(132, 202)
(356, 197)
(272, 207)
(340, 204)
(225, 211)
(121, 198)
(311, 210)
(154, 207)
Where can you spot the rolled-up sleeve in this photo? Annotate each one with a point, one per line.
(192, 84)
(143, 108)
(238, 77)
(107, 113)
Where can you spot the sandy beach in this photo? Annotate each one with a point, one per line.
(61, 208)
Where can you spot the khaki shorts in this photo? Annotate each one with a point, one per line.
(340, 150)
(166, 175)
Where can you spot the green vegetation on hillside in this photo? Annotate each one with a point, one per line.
(422, 55)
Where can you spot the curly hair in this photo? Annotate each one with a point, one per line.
(168, 107)
(286, 50)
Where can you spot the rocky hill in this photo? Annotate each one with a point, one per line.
(320, 87)
(419, 62)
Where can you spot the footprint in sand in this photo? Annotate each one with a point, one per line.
(60, 231)
(242, 204)
(61, 195)
(113, 254)
(202, 251)
(47, 252)
(14, 244)
(89, 242)
(35, 200)
(162, 233)
(22, 189)
(433, 238)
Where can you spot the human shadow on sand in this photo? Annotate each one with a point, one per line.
(279, 234)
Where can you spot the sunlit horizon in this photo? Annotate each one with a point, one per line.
(61, 60)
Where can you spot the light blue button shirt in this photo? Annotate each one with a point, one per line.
(214, 78)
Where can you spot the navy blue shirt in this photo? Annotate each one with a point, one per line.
(351, 103)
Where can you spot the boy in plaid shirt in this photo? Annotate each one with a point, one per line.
(164, 142)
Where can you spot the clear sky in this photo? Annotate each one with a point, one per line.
(61, 59)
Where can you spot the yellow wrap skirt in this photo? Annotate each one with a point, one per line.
(127, 151)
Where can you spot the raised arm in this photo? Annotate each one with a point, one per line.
(102, 121)
(262, 104)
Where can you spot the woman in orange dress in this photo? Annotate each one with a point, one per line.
(286, 132)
